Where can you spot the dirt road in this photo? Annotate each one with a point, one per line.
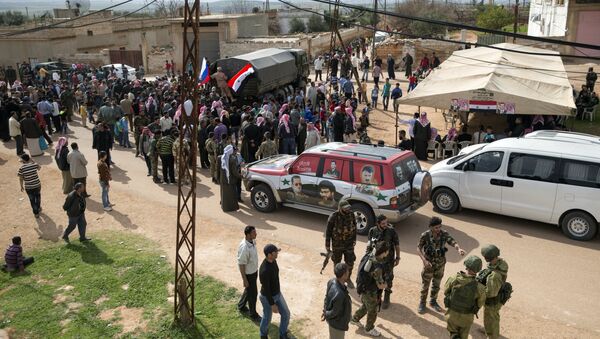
(555, 279)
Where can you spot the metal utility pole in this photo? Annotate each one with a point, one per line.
(516, 25)
(186, 196)
(374, 18)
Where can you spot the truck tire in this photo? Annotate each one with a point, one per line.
(263, 199)
(365, 218)
(445, 201)
(579, 225)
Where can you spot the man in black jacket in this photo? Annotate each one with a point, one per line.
(103, 142)
(75, 207)
(270, 294)
(337, 308)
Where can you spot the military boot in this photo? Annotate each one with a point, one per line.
(386, 299)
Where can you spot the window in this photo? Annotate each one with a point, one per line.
(484, 162)
(90, 33)
(405, 170)
(580, 173)
(333, 169)
(367, 174)
(306, 165)
(532, 167)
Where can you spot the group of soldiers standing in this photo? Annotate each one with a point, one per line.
(464, 293)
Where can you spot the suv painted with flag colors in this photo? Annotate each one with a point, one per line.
(375, 180)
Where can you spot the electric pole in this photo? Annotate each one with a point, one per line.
(374, 19)
(516, 25)
(186, 195)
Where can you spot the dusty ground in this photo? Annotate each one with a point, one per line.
(556, 280)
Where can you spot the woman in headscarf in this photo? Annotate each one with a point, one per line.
(452, 135)
(228, 177)
(287, 135)
(349, 126)
(60, 156)
(537, 123)
(312, 136)
(144, 143)
(422, 133)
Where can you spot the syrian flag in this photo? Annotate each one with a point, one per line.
(482, 106)
(204, 74)
(236, 81)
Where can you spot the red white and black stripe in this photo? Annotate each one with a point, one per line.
(482, 106)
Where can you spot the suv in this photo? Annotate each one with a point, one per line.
(547, 176)
(375, 180)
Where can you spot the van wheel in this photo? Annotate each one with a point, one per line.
(262, 198)
(579, 226)
(365, 218)
(445, 201)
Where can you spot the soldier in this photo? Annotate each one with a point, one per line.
(493, 278)
(267, 148)
(464, 296)
(383, 233)
(432, 250)
(340, 236)
(211, 148)
(154, 156)
(139, 122)
(369, 282)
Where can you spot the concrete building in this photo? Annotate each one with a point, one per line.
(573, 20)
(285, 17)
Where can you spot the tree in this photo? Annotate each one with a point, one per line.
(425, 9)
(167, 8)
(297, 26)
(316, 24)
(494, 17)
(12, 18)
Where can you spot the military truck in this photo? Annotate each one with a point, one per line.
(277, 71)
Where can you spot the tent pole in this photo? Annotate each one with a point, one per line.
(396, 129)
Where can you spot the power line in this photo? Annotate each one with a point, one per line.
(114, 18)
(469, 27)
(54, 25)
(413, 36)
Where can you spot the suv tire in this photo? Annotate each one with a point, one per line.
(579, 226)
(365, 218)
(445, 201)
(263, 199)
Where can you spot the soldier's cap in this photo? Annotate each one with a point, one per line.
(270, 248)
(473, 263)
(344, 204)
(490, 252)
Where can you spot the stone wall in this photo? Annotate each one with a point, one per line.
(157, 58)
(416, 47)
(94, 59)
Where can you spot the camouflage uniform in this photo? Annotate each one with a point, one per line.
(369, 298)
(459, 321)
(491, 314)
(186, 150)
(390, 237)
(435, 252)
(139, 122)
(341, 234)
(266, 149)
(211, 148)
(154, 158)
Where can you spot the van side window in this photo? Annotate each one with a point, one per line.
(485, 162)
(532, 167)
(306, 165)
(333, 168)
(367, 174)
(580, 173)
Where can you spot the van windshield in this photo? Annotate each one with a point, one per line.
(405, 169)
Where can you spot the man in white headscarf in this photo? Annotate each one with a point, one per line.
(228, 177)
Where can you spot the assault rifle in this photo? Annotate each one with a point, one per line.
(326, 260)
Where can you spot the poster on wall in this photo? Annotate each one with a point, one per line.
(459, 105)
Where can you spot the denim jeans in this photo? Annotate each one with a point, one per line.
(105, 187)
(35, 198)
(284, 311)
(81, 224)
(124, 139)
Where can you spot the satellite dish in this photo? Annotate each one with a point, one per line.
(82, 5)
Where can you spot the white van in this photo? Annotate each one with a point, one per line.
(547, 176)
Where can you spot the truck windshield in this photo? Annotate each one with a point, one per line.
(405, 169)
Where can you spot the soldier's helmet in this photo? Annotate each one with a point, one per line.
(473, 263)
(344, 205)
(490, 252)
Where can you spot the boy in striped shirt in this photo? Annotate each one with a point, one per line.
(30, 182)
(14, 257)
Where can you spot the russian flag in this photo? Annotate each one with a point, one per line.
(236, 81)
(204, 74)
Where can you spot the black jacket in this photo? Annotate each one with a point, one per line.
(337, 306)
(30, 128)
(74, 205)
(268, 274)
(61, 160)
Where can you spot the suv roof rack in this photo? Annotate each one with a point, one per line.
(354, 153)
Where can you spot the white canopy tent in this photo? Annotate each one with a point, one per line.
(487, 79)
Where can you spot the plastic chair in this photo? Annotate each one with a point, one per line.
(449, 146)
(589, 112)
(433, 146)
(463, 144)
